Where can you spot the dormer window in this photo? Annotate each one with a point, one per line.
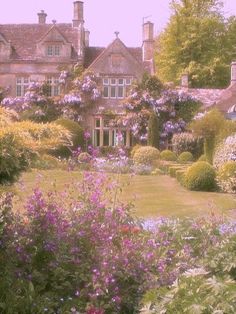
(53, 51)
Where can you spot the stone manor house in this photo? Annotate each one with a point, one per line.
(37, 52)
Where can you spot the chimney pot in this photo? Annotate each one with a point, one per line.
(78, 18)
(148, 41)
(42, 17)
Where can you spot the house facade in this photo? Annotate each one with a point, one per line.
(38, 52)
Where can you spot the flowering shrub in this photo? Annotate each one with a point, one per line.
(200, 176)
(185, 157)
(225, 151)
(82, 253)
(83, 93)
(173, 108)
(183, 142)
(168, 155)
(226, 177)
(35, 105)
(206, 287)
(146, 155)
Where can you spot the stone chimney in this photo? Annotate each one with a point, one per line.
(148, 41)
(184, 80)
(233, 72)
(78, 19)
(86, 38)
(42, 17)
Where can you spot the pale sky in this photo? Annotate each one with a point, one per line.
(102, 17)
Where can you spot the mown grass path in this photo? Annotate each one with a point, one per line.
(153, 196)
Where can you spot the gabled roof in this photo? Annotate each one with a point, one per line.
(208, 97)
(24, 37)
(52, 34)
(130, 59)
(227, 98)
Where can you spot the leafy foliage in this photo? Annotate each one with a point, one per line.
(168, 155)
(185, 157)
(187, 142)
(184, 46)
(153, 131)
(200, 176)
(146, 155)
(208, 126)
(226, 177)
(77, 137)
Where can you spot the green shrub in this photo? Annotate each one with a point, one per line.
(134, 149)
(172, 170)
(180, 176)
(165, 165)
(45, 162)
(168, 155)
(77, 137)
(14, 158)
(202, 158)
(153, 131)
(226, 177)
(146, 155)
(187, 142)
(200, 176)
(185, 157)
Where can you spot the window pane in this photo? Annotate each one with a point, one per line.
(97, 137)
(105, 92)
(113, 138)
(57, 50)
(120, 91)
(18, 91)
(128, 81)
(124, 140)
(56, 91)
(105, 137)
(18, 80)
(49, 50)
(113, 81)
(105, 81)
(97, 123)
(113, 92)
(121, 82)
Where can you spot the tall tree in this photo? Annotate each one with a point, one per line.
(197, 40)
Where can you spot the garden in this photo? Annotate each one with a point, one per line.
(102, 231)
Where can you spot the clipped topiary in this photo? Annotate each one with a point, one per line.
(168, 155)
(146, 155)
(226, 177)
(200, 176)
(185, 157)
(134, 149)
(77, 137)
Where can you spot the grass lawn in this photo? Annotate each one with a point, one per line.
(152, 195)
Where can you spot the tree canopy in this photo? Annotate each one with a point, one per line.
(198, 40)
